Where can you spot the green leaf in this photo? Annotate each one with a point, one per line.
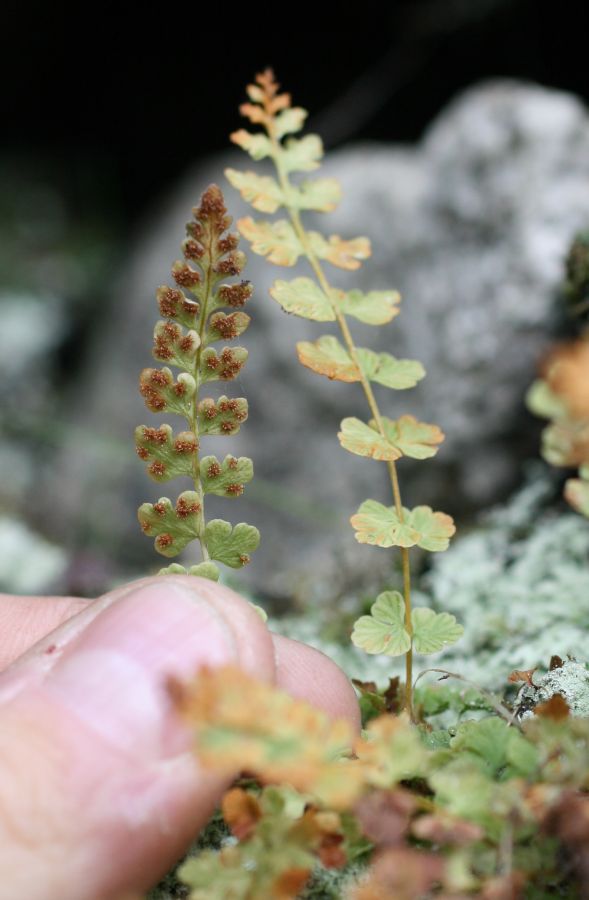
(327, 356)
(227, 478)
(202, 570)
(435, 528)
(412, 438)
(162, 394)
(224, 366)
(389, 371)
(378, 524)
(168, 455)
(383, 631)
(173, 526)
(542, 401)
(302, 154)
(257, 145)
(275, 240)
(496, 748)
(433, 631)
(405, 437)
(303, 298)
(261, 191)
(224, 416)
(226, 326)
(343, 254)
(576, 492)
(231, 546)
(364, 440)
(373, 308)
(320, 194)
(289, 120)
(565, 442)
(174, 345)
(174, 304)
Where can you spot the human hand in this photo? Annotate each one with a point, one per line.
(99, 792)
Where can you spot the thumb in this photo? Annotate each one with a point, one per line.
(99, 793)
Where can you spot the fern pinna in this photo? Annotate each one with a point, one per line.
(184, 338)
(393, 628)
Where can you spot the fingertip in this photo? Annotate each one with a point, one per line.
(310, 675)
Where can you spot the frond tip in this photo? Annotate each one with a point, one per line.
(184, 339)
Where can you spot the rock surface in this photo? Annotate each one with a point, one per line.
(472, 226)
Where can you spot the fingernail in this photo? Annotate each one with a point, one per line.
(113, 676)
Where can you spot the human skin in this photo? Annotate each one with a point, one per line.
(99, 791)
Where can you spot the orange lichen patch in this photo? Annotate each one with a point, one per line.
(235, 294)
(185, 509)
(567, 373)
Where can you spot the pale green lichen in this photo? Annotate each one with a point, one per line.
(571, 681)
(519, 583)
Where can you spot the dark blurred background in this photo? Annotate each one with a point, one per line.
(111, 115)
(101, 119)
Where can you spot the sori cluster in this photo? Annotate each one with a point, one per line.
(393, 627)
(184, 338)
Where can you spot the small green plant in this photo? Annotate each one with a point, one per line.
(183, 338)
(494, 805)
(393, 627)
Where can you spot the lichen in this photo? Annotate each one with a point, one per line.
(571, 681)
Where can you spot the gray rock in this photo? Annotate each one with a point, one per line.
(472, 225)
